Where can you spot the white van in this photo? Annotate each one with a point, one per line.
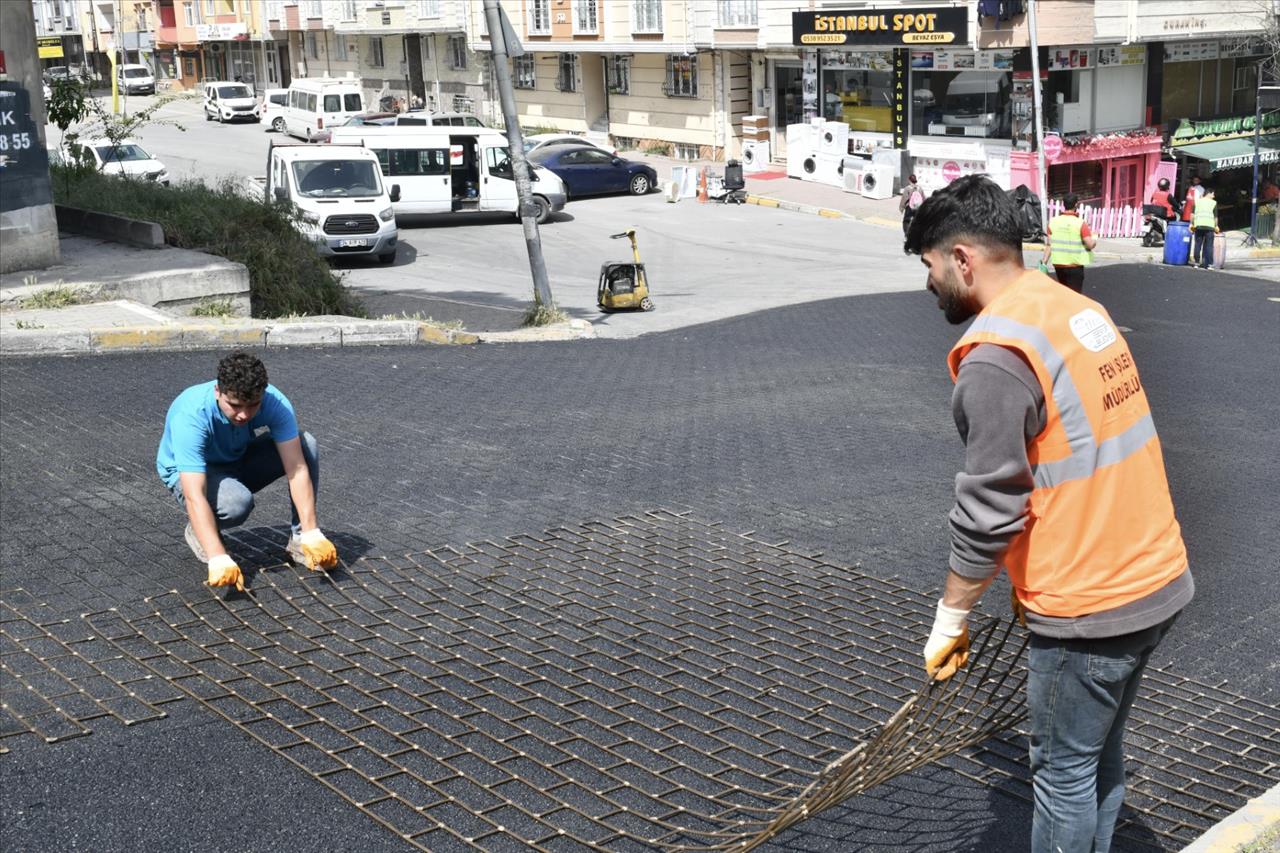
(135, 80)
(452, 170)
(226, 101)
(320, 102)
(342, 203)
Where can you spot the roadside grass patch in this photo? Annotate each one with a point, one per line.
(27, 324)
(286, 274)
(56, 296)
(214, 308)
(417, 316)
(540, 315)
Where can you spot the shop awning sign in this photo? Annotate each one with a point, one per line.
(49, 47)
(1234, 153)
(889, 28)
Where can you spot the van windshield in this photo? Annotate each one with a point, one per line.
(337, 178)
(137, 72)
(236, 91)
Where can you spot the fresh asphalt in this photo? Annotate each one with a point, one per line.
(826, 424)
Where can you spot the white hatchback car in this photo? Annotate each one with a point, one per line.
(128, 159)
(224, 101)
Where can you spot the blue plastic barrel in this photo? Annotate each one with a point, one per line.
(1177, 243)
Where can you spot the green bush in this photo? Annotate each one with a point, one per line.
(286, 274)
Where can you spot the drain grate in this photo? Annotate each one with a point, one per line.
(651, 681)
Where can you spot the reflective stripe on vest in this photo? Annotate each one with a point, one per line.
(1100, 530)
(1203, 217)
(1066, 245)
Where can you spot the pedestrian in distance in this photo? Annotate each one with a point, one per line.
(909, 203)
(1204, 223)
(1064, 486)
(1068, 243)
(1194, 193)
(213, 459)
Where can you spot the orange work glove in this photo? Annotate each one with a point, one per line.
(947, 650)
(223, 571)
(317, 551)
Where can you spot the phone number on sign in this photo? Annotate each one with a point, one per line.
(15, 141)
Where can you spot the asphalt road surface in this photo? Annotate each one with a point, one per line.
(826, 424)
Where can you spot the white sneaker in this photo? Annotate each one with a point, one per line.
(194, 544)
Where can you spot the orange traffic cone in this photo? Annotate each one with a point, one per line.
(702, 184)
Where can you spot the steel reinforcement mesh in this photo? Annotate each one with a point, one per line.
(650, 681)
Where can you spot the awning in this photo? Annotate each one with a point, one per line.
(1234, 153)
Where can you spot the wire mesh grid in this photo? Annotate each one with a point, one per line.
(650, 681)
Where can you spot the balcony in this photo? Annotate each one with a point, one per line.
(167, 35)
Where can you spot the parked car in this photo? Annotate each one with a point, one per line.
(358, 120)
(224, 101)
(587, 170)
(544, 140)
(64, 72)
(127, 159)
(272, 108)
(135, 80)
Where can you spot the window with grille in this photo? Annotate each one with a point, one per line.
(429, 9)
(567, 79)
(524, 74)
(646, 16)
(586, 17)
(682, 76)
(618, 69)
(738, 13)
(457, 52)
(375, 52)
(540, 17)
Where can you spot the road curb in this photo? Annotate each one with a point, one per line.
(1244, 826)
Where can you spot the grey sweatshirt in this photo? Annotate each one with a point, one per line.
(998, 407)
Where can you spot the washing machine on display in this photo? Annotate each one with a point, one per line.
(830, 170)
(853, 173)
(802, 151)
(834, 138)
(755, 155)
(877, 182)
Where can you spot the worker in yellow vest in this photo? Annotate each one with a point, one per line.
(1068, 244)
(1064, 487)
(1205, 224)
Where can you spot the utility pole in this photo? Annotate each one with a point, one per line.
(499, 28)
(1038, 112)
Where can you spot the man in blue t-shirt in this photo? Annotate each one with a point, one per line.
(225, 440)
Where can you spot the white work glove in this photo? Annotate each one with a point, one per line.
(947, 650)
(223, 571)
(317, 550)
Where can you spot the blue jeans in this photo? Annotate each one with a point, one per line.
(1078, 695)
(230, 488)
(1204, 247)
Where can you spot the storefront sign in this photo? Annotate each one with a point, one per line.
(950, 59)
(1070, 58)
(869, 27)
(1190, 51)
(1266, 155)
(49, 48)
(221, 32)
(1127, 55)
(1052, 147)
(950, 171)
(1190, 131)
(935, 173)
(1235, 48)
(900, 59)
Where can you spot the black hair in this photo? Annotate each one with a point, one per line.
(972, 208)
(242, 376)
(1069, 201)
(1163, 184)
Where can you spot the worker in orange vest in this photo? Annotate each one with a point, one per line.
(1064, 486)
(1194, 192)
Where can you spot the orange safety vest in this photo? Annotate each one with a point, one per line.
(1100, 529)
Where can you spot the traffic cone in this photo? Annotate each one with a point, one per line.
(702, 184)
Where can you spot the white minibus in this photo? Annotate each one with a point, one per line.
(452, 170)
(317, 103)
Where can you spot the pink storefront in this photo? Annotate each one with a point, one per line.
(1106, 170)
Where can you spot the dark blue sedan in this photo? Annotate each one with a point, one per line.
(586, 170)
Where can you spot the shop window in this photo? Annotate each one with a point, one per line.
(525, 75)
(1084, 179)
(619, 74)
(969, 103)
(857, 89)
(682, 76)
(567, 78)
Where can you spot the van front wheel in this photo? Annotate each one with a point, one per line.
(542, 209)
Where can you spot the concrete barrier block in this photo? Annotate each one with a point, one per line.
(43, 341)
(378, 332)
(214, 336)
(303, 334)
(121, 229)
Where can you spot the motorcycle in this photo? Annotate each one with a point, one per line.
(1154, 224)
